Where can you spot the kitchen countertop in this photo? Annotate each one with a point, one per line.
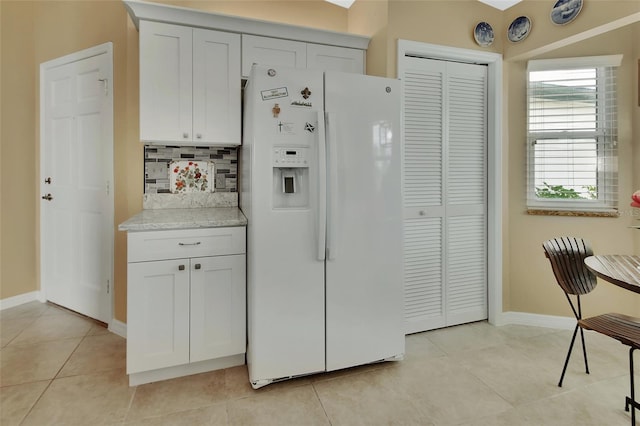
(164, 219)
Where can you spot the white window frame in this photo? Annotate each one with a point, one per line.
(606, 161)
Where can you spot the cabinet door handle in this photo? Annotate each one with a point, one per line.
(199, 135)
(198, 266)
(181, 267)
(185, 135)
(197, 243)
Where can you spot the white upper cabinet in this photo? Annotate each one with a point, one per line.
(192, 63)
(189, 85)
(272, 51)
(166, 81)
(296, 54)
(333, 58)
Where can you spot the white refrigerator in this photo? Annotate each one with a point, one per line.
(321, 189)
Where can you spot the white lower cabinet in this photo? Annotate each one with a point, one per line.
(185, 315)
(217, 327)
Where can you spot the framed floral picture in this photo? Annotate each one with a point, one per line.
(191, 176)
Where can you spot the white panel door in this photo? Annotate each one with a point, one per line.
(218, 313)
(157, 315)
(334, 58)
(445, 240)
(76, 172)
(216, 87)
(272, 52)
(165, 82)
(364, 229)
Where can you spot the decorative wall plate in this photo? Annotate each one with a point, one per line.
(483, 33)
(191, 176)
(519, 29)
(565, 11)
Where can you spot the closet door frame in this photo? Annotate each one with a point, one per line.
(493, 61)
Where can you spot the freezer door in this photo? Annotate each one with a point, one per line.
(285, 272)
(364, 295)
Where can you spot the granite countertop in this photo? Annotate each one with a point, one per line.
(164, 219)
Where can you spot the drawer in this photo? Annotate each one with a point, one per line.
(176, 244)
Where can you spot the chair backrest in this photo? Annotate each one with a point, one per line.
(566, 255)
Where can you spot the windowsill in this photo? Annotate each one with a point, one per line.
(572, 213)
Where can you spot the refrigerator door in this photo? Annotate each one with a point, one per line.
(364, 294)
(285, 271)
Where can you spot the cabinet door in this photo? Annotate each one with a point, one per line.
(218, 307)
(165, 82)
(216, 87)
(157, 315)
(333, 58)
(272, 51)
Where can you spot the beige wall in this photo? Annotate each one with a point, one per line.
(370, 18)
(18, 216)
(306, 13)
(531, 284)
(33, 32)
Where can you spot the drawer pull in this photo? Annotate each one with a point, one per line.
(198, 266)
(181, 267)
(197, 243)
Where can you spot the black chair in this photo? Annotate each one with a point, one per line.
(626, 330)
(567, 255)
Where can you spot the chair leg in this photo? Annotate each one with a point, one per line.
(631, 400)
(566, 361)
(584, 351)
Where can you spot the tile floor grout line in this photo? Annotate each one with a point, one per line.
(34, 319)
(133, 395)
(315, 391)
(70, 355)
(36, 401)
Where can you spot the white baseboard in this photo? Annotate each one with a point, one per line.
(21, 299)
(118, 327)
(536, 320)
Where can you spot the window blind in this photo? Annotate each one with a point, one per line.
(572, 134)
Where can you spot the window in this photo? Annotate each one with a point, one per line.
(572, 134)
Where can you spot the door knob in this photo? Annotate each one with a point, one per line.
(47, 197)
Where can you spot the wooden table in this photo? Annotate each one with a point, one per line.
(620, 269)
(624, 271)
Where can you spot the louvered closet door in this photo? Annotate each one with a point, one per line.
(445, 239)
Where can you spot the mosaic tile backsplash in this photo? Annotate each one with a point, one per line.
(158, 157)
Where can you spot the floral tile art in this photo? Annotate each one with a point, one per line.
(191, 176)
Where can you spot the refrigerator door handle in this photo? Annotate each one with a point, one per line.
(332, 184)
(322, 187)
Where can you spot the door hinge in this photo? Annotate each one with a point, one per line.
(108, 189)
(105, 84)
(108, 286)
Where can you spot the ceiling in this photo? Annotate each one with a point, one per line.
(344, 3)
(498, 4)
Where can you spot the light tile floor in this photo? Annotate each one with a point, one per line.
(57, 368)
